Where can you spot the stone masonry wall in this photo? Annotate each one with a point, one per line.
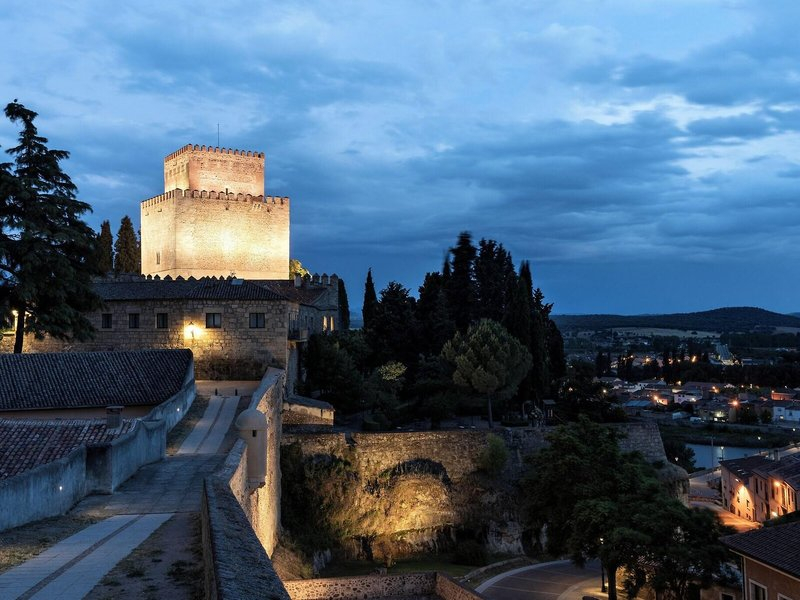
(209, 233)
(410, 586)
(375, 453)
(234, 341)
(208, 168)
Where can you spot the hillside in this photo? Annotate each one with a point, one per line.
(732, 319)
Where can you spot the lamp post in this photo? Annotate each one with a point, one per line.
(602, 572)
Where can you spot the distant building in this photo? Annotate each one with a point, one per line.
(758, 489)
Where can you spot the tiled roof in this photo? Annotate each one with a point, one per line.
(744, 467)
(91, 379)
(308, 294)
(28, 443)
(775, 546)
(206, 288)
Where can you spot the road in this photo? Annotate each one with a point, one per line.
(559, 580)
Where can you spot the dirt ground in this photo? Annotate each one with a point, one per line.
(23, 543)
(169, 564)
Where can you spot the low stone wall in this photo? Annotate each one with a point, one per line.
(241, 525)
(236, 565)
(410, 586)
(110, 465)
(173, 410)
(45, 491)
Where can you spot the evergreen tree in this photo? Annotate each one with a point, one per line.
(126, 248)
(494, 275)
(46, 250)
(344, 307)
(393, 333)
(488, 361)
(460, 289)
(105, 248)
(370, 302)
(431, 310)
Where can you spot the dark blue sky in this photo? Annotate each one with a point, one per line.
(644, 156)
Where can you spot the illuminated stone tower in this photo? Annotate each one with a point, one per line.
(213, 218)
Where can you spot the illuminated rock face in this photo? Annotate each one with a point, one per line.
(213, 218)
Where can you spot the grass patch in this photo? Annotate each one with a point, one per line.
(27, 541)
(184, 427)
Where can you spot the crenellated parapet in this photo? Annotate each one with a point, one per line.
(179, 194)
(213, 150)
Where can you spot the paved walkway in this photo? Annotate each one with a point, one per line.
(70, 569)
(558, 580)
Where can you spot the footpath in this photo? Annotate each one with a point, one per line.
(70, 569)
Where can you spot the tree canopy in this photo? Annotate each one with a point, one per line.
(612, 506)
(488, 361)
(47, 252)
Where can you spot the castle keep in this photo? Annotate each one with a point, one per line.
(213, 218)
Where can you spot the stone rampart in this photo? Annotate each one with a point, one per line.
(412, 586)
(374, 454)
(45, 491)
(241, 524)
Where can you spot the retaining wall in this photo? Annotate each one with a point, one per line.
(174, 409)
(47, 490)
(416, 586)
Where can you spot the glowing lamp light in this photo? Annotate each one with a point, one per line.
(191, 331)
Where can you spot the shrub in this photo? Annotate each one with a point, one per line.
(494, 456)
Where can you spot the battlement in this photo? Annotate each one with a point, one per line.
(213, 150)
(213, 195)
(210, 168)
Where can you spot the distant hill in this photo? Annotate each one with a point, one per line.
(732, 319)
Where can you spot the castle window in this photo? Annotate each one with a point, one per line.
(106, 321)
(213, 320)
(257, 321)
(158, 258)
(161, 320)
(133, 321)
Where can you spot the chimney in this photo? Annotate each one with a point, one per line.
(113, 417)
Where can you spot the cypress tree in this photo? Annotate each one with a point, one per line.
(126, 248)
(460, 289)
(105, 248)
(370, 306)
(435, 324)
(494, 280)
(344, 306)
(46, 250)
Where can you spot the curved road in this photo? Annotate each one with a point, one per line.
(559, 580)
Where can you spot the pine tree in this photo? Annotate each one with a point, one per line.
(126, 253)
(46, 250)
(460, 289)
(370, 305)
(105, 248)
(344, 307)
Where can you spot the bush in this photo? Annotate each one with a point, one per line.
(494, 456)
(470, 552)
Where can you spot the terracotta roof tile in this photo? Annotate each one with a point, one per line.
(28, 443)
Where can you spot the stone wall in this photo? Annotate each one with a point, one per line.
(211, 233)
(48, 490)
(233, 346)
(240, 524)
(208, 168)
(412, 586)
(110, 465)
(373, 454)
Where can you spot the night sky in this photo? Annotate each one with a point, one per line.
(644, 156)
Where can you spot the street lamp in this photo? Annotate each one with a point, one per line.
(602, 573)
